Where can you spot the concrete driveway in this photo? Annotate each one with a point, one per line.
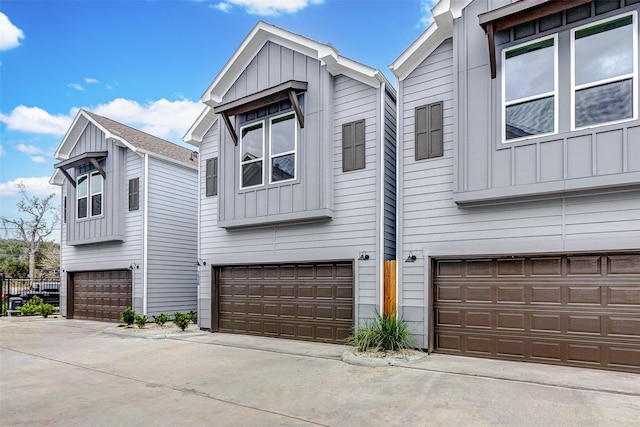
(72, 373)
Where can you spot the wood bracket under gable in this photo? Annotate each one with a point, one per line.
(288, 90)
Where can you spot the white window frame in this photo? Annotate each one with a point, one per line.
(86, 196)
(284, 153)
(633, 75)
(89, 195)
(553, 93)
(242, 163)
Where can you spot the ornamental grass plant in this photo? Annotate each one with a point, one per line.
(383, 333)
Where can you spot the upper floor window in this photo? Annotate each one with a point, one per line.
(604, 72)
(89, 194)
(530, 89)
(268, 147)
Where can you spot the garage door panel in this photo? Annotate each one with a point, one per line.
(562, 309)
(101, 295)
(303, 301)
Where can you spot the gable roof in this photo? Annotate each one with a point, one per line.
(262, 33)
(122, 135)
(444, 12)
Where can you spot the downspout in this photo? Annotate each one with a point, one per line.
(382, 199)
(145, 234)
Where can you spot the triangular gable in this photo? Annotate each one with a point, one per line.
(251, 46)
(444, 12)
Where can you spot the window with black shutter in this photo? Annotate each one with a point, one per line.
(134, 194)
(211, 179)
(353, 146)
(429, 131)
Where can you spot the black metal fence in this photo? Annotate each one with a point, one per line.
(48, 290)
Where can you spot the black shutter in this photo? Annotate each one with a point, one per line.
(211, 178)
(353, 146)
(64, 210)
(134, 194)
(429, 131)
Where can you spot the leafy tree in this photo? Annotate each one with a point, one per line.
(36, 227)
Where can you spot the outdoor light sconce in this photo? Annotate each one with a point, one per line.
(200, 262)
(411, 257)
(363, 256)
(194, 155)
(134, 266)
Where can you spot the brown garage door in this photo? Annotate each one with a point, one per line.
(301, 301)
(101, 295)
(578, 310)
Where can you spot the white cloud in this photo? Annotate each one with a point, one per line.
(10, 35)
(75, 86)
(161, 118)
(425, 7)
(36, 120)
(2, 152)
(266, 7)
(38, 186)
(90, 80)
(35, 153)
(224, 7)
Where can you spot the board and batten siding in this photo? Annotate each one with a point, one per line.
(597, 157)
(109, 255)
(432, 224)
(107, 226)
(171, 238)
(308, 196)
(354, 227)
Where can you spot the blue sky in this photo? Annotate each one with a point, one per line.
(146, 63)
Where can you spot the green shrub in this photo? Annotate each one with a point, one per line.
(181, 320)
(386, 333)
(161, 319)
(30, 308)
(128, 316)
(140, 321)
(193, 316)
(45, 310)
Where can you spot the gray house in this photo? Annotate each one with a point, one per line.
(129, 231)
(297, 202)
(519, 182)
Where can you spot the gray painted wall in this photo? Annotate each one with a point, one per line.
(171, 232)
(308, 196)
(352, 196)
(432, 224)
(109, 225)
(172, 238)
(110, 255)
(601, 156)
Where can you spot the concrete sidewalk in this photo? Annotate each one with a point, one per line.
(58, 371)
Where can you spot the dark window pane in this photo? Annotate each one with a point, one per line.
(283, 167)
(578, 13)
(96, 205)
(551, 21)
(530, 118)
(252, 174)
(524, 30)
(604, 6)
(606, 103)
(82, 207)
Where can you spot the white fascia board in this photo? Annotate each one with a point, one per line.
(57, 178)
(444, 12)
(71, 137)
(200, 127)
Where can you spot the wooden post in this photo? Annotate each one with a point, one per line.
(389, 287)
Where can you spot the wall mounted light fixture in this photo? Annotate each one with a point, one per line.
(411, 257)
(133, 266)
(200, 262)
(363, 256)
